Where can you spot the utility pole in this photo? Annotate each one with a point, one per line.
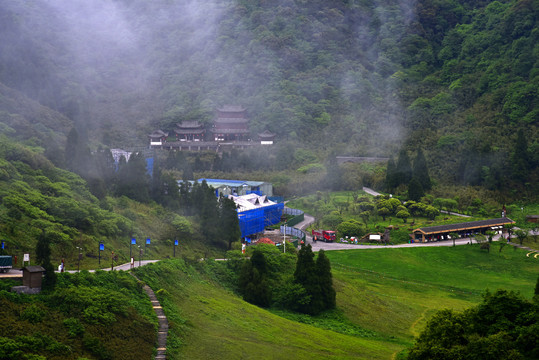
(78, 262)
(284, 238)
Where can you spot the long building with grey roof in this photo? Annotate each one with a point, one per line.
(440, 232)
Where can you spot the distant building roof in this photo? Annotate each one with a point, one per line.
(225, 120)
(188, 131)
(158, 134)
(230, 131)
(189, 124)
(464, 226)
(231, 108)
(266, 135)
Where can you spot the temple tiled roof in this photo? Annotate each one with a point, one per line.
(266, 134)
(188, 131)
(158, 134)
(230, 131)
(231, 108)
(189, 125)
(231, 120)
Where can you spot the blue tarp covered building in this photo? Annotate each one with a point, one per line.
(256, 212)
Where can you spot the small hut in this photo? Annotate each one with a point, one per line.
(32, 276)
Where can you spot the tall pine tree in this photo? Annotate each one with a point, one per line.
(253, 283)
(403, 173)
(325, 279)
(43, 257)
(306, 275)
(391, 180)
(133, 180)
(228, 217)
(420, 170)
(520, 158)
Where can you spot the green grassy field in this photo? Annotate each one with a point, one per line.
(394, 291)
(390, 293)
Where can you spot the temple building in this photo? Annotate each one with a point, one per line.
(231, 124)
(158, 138)
(189, 131)
(266, 137)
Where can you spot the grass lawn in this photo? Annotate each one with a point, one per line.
(394, 291)
(209, 322)
(390, 293)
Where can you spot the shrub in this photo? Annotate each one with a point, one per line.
(74, 327)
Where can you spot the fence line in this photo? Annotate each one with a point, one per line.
(290, 211)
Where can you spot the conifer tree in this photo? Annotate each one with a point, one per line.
(420, 170)
(133, 180)
(520, 159)
(43, 257)
(403, 173)
(323, 270)
(306, 275)
(415, 190)
(252, 282)
(228, 216)
(390, 181)
(206, 205)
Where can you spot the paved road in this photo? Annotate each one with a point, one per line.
(16, 273)
(339, 246)
(370, 191)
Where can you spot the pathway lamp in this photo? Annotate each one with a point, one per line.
(148, 241)
(101, 248)
(80, 257)
(133, 242)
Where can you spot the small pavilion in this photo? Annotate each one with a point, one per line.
(158, 138)
(266, 137)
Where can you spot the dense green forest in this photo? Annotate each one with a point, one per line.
(457, 79)
(447, 90)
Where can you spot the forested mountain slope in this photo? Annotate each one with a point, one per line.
(457, 78)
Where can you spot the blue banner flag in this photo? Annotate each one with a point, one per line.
(101, 247)
(176, 242)
(148, 241)
(133, 241)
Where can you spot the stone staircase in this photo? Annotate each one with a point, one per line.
(162, 332)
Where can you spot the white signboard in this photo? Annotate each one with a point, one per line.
(374, 237)
(26, 257)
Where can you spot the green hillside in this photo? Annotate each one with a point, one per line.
(388, 293)
(447, 90)
(456, 78)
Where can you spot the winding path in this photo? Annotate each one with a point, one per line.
(162, 332)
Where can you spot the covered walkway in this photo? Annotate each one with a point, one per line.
(465, 229)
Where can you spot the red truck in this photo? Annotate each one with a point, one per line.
(323, 235)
